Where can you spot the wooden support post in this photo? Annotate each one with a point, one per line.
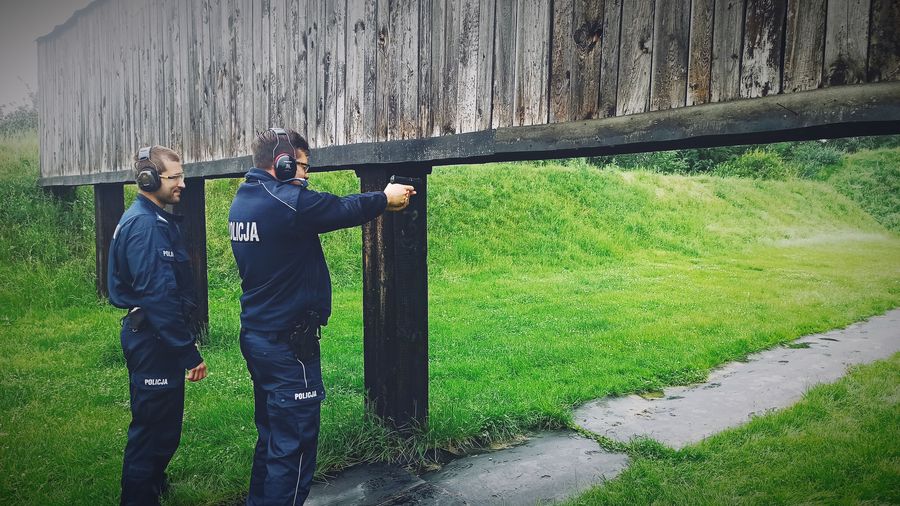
(109, 205)
(193, 231)
(395, 305)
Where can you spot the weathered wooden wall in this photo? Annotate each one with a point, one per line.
(203, 76)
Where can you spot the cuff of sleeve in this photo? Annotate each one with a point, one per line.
(190, 357)
(382, 203)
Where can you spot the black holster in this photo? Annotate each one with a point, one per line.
(137, 319)
(304, 336)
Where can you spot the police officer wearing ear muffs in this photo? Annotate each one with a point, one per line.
(274, 223)
(150, 277)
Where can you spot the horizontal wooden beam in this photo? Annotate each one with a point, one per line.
(867, 109)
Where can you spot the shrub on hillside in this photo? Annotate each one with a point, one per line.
(872, 179)
(815, 161)
(756, 164)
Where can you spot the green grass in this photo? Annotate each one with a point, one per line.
(837, 446)
(548, 286)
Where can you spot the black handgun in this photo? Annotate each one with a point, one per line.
(411, 181)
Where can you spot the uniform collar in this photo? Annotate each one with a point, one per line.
(258, 174)
(151, 206)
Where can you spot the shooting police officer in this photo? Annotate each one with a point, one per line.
(150, 276)
(275, 222)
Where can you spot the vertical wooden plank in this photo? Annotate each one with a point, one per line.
(312, 65)
(532, 100)
(635, 58)
(382, 69)
(323, 67)
(209, 140)
(173, 47)
(846, 41)
(585, 82)
(236, 124)
(361, 47)
(261, 60)
(188, 73)
(393, 68)
(467, 66)
(395, 307)
(561, 60)
(402, 70)
(195, 77)
(426, 74)
(242, 84)
(700, 52)
(297, 35)
(804, 47)
(151, 74)
(340, 72)
(761, 60)
(487, 10)
(449, 78)
(278, 51)
(609, 57)
(434, 118)
(409, 68)
(109, 205)
(671, 38)
(884, 41)
(329, 72)
(223, 75)
(193, 232)
(726, 52)
(504, 64)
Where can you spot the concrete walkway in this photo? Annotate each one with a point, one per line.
(557, 465)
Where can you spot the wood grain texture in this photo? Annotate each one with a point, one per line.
(636, 52)
(700, 52)
(846, 42)
(358, 71)
(671, 39)
(761, 60)
(585, 81)
(884, 41)
(504, 80)
(561, 60)
(726, 50)
(361, 39)
(804, 48)
(532, 62)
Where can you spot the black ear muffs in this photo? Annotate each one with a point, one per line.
(148, 178)
(285, 163)
(285, 167)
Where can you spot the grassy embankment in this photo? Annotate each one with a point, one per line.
(549, 286)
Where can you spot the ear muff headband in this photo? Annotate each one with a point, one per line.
(148, 178)
(285, 164)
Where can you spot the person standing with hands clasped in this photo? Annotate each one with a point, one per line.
(275, 222)
(150, 276)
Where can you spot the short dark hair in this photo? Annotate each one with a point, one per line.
(158, 155)
(265, 143)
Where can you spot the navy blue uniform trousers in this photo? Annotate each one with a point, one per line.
(157, 410)
(287, 395)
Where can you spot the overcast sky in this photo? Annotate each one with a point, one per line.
(21, 22)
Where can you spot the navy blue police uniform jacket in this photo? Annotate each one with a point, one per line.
(275, 229)
(149, 267)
